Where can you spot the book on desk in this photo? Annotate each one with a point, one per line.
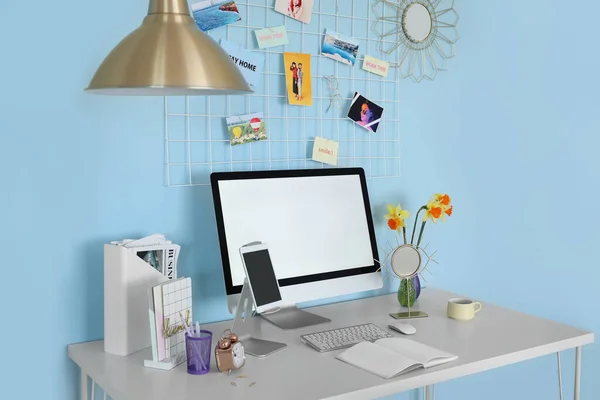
(391, 357)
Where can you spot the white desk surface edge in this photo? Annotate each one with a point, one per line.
(482, 344)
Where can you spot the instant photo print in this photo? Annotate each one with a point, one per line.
(365, 113)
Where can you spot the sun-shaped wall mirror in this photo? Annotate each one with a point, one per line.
(422, 32)
(417, 22)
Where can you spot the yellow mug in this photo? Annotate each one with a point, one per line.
(463, 309)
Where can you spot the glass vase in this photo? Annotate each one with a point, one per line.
(409, 291)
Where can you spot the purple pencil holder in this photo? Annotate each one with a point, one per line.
(198, 351)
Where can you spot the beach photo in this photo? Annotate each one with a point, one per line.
(340, 48)
(212, 14)
(298, 78)
(365, 113)
(246, 128)
(300, 10)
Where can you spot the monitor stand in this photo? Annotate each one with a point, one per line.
(245, 326)
(292, 317)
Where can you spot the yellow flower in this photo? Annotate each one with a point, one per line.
(396, 217)
(433, 211)
(438, 207)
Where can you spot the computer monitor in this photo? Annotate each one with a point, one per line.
(317, 225)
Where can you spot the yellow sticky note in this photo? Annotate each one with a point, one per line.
(376, 66)
(326, 151)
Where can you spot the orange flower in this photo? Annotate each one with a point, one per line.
(437, 208)
(396, 217)
(442, 198)
(436, 212)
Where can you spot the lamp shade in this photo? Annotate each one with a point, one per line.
(168, 55)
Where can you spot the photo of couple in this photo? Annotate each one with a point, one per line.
(298, 78)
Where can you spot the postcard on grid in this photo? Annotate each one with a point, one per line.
(248, 62)
(376, 66)
(270, 37)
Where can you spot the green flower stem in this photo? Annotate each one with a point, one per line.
(404, 233)
(412, 238)
(421, 233)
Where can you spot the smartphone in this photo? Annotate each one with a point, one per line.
(261, 277)
(406, 315)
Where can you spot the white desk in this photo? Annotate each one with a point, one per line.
(301, 373)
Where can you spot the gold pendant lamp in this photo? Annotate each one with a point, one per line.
(168, 55)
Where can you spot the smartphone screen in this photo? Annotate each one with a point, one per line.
(262, 277)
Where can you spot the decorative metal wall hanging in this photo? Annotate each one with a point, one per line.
(423, 31)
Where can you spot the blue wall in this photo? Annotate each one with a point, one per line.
(510, 131)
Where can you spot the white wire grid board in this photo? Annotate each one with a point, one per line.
(196, 137)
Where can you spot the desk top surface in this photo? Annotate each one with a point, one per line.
(496, 337)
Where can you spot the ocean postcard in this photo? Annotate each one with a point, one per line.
(340, 48)
(211, 14)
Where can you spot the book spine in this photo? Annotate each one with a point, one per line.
(159, 321)
(171, 255)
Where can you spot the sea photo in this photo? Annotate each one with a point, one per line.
(340, 48)
(212, 14)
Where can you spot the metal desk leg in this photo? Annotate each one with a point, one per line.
(84, 385)
(560, 391)
(429, 392)
(577, 373)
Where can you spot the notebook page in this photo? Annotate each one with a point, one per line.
(378, 360)
(426, 355)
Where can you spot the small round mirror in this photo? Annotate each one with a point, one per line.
(406, 261)
(417, 22)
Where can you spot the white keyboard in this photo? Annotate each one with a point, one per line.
(336, 339)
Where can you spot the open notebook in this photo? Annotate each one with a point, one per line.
(391, 357)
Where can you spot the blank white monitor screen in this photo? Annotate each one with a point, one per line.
(316, 227)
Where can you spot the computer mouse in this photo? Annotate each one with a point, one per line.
(403, 328)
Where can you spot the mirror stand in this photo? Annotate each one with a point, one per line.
(406, 262)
